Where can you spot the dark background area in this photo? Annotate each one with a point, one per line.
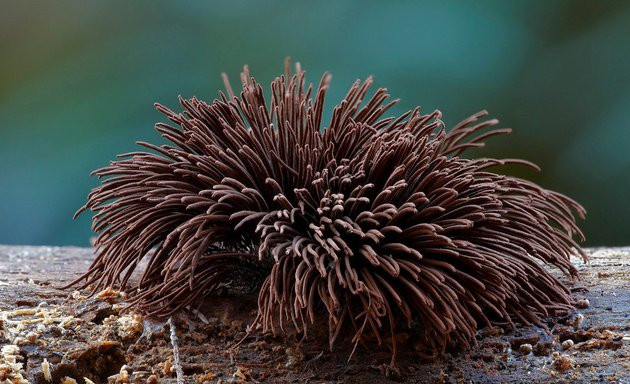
(78, 81)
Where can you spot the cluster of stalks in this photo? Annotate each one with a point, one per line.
(373, 223)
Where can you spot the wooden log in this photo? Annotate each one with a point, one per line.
(97, 338)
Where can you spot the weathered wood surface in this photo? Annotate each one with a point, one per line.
(95, 337)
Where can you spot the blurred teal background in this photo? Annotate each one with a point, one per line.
(78, 81)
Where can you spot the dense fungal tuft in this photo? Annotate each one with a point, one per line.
(373, 223)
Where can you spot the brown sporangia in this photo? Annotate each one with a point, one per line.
(372, 223)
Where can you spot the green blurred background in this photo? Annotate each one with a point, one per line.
(78, 81)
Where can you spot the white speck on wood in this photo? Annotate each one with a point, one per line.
(174, 342)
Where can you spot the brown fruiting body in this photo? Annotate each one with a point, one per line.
(374, 223)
